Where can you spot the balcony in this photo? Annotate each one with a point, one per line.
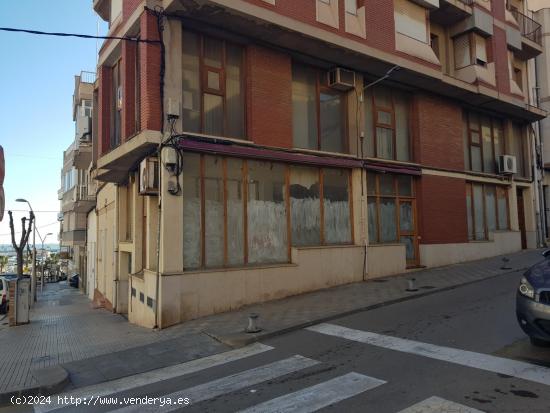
(77, 199)
(75, 237)
(451, 11)
(531, 33)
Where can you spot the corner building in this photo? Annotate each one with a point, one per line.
(317, 143)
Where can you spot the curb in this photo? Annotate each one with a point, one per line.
(242, 339)
(50, 380)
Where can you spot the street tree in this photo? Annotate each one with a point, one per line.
(25, 232)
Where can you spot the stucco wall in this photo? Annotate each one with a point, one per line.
(385, 260)
(91, 249)
(195, 294)
(436, 255)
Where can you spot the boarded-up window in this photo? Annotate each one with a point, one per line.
(410, 20)
(267, 224)
(305, 206)
(336, 209)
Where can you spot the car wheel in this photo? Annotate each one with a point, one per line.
(539, 343)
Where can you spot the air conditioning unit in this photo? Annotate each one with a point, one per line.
(149, 176)
(507, 165)
(341, 79)
(84, 128)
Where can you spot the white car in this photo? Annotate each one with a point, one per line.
(4, 297)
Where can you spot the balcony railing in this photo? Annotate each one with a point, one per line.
(528, 27)
(87, 77)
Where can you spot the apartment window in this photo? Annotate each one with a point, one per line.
(319, 112)
(352, 6)
(213, 95)
(484, 142)
(487, 210)
(116, 105)
(470, 49)
(387, 124)
(434, 44)
(391, 211)
(238, 212)
(87, 107)
(116, 10)
(518, 149)
(137, 91)
(411, 20)
(518, 77)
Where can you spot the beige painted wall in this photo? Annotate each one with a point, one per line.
(385, 260)
(105, 271)
(503, 242)
(195, 294)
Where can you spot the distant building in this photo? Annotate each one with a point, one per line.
(77, 192)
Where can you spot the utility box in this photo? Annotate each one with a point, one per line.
(19, 301)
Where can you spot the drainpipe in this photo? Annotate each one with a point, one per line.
(115, 250)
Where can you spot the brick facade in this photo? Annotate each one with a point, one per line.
(442, 210)
(128, 67)
(438, 132)
(269, 97)
(104, 109)
(150, 53)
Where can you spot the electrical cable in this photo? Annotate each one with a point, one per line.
(82, 36)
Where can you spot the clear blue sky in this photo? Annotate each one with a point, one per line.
(36, 88)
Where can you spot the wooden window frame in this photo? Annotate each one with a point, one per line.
(393, 127)
(321, 86)
(494, 122)
(203, 79)
(116, 82)
(245, 200)
(378, 196)
(470, 191)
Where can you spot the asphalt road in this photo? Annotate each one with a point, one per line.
(454, 351)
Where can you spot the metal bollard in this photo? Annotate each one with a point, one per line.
(412, 286)
(252, 326)
(505, 266)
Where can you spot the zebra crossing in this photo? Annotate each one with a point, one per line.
(257, 372)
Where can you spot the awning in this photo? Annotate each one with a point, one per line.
(232, 149)
(396, 169)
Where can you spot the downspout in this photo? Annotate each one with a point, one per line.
(115, 250)
(159, 11)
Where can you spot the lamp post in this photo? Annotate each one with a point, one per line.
(33, 273)
(42, 259)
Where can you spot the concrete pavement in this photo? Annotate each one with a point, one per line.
(94, 345)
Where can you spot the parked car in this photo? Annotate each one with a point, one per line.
(4, 296)
(533, 302)
(73, 280)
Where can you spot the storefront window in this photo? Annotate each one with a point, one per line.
(487, 210)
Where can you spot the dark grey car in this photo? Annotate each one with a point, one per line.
(533, 302)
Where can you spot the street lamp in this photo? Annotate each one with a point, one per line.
(33, 273)
(42, 258)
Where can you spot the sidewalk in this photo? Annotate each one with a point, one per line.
(94, 345)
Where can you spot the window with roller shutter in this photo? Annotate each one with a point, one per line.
(411, 20)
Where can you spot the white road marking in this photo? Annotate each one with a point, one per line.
(436, 404)
(321, 395)
(228, 384)
(519, 369)
(154, 376)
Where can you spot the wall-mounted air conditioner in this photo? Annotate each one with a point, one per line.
(507, 165)
(341, 79)
(84, 128)
(148, 176)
